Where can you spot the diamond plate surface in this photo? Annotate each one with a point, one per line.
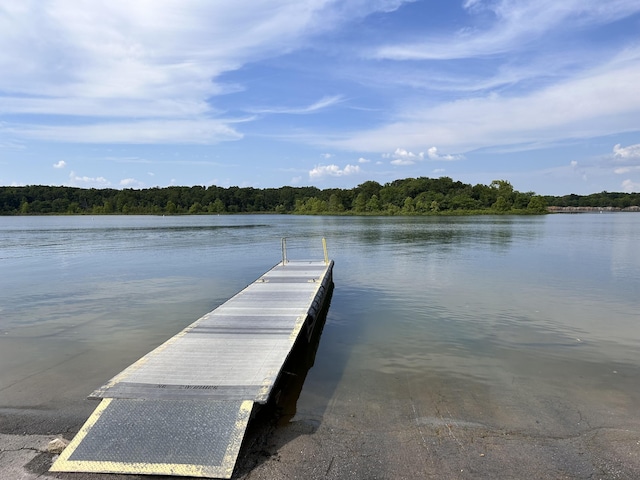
(165, 437)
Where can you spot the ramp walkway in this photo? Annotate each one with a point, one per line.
(183, 408)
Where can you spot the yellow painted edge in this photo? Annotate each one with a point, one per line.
(242, 419)
(146, 469)
(91, 421)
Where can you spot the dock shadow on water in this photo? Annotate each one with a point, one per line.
(282, 404)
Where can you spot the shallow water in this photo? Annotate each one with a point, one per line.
(525, 324)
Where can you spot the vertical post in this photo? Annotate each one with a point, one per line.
(324, 247)
(284, 251)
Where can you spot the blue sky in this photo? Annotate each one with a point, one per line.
(266, 93)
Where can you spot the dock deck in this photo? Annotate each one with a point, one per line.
(183, 408)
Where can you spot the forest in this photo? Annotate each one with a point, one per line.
(409, 196)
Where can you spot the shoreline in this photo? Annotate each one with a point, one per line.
(346, 443)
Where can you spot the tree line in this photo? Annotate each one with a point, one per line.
(410, 196)
(603, 199)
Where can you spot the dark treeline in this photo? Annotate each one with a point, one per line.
(602, 199)
(400, 197)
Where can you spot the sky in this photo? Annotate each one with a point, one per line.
(331, 93)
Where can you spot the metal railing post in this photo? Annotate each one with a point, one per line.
(324, 247)
(284, 251)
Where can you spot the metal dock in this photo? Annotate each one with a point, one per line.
(183, 408)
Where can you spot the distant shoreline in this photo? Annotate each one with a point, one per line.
(592, 209)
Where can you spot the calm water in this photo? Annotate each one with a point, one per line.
(520, 324)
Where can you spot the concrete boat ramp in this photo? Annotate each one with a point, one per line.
(183, 408)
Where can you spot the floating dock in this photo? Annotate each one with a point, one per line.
(183, 408)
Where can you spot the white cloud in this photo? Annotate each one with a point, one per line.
(404, 157)
(87, 182)
(351, 169)
(630, 186)
(60, 164)
(326, 156)
(322, 171)
(439, 170)
(573, 163)
(632, 151)
(363, 160)
(628, 159)
(131, 183)
(433, 154)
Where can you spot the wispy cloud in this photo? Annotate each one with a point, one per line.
(60, 164)
(111, 60)
(517, 23)
(324, 102)
(600, 102)
(134, 132)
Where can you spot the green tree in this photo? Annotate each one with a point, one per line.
(505, 195)
(195, 208)
(373, 205)
(537, 204)
(409, 206)
(360, 203)
(501, 204)
(216, 206)
(335, 205)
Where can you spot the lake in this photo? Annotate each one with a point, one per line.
(444, 334)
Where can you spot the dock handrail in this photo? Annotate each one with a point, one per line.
(284, 251)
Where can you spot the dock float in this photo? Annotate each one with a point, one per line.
(183, 408)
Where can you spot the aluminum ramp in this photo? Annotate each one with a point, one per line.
(183, 408)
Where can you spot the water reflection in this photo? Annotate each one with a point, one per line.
(412, 233)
